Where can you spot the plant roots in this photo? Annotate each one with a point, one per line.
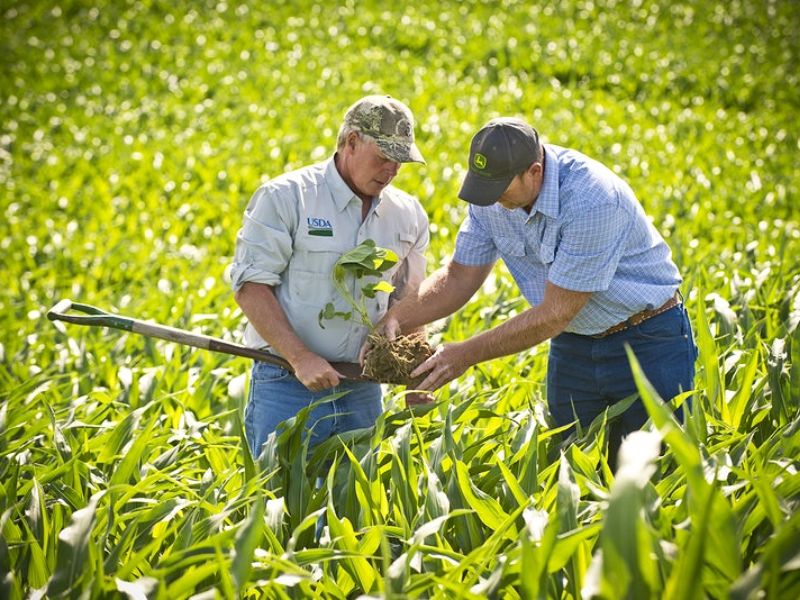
(393, 361)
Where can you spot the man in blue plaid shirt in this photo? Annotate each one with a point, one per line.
(597, 274)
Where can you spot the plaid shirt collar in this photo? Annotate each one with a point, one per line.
(547, 201)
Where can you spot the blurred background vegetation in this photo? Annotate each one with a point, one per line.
(133, 133)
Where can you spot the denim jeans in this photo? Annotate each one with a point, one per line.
(277, 395)
(588, 374)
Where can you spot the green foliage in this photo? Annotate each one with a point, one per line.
(365, 260)
(131, 136)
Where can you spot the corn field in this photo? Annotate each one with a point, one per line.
(132, 135)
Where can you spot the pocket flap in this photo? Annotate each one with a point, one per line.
(547, 253)
(406, 236)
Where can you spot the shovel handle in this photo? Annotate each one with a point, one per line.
(93, 316)
(97, 317)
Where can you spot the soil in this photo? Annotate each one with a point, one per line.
(393, 361)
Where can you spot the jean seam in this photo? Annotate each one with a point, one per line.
(249, 429)
(335, 413)
(282, 373)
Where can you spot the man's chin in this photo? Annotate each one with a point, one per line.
(377, 188)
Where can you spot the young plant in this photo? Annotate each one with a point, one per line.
(365, 260)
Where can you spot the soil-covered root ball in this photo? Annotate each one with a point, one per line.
(393, 361)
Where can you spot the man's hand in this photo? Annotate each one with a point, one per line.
(388, 327)
(447, 363)
(315, 372)
(419, 399)
(264, 312)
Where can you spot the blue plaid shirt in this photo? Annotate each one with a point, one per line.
(586, 232)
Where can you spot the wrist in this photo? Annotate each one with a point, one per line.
(471, 352)
(298, 356)
(402, 322)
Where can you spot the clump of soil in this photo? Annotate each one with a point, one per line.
(393, 361)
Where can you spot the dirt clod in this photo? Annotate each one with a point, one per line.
(393, 361)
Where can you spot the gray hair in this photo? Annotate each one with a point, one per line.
(386, 122)
(345, 130)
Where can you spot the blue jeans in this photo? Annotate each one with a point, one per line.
(590, 374)
(277, 395)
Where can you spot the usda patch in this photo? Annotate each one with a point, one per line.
(319, 227)
(479, 160)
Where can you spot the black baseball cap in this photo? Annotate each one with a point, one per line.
(500, 151)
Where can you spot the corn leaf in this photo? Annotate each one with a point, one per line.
(248, 538)
(73, 549)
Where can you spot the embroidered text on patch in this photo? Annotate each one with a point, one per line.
(320, 227)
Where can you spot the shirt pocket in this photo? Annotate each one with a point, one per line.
(406, 241)
(547, 253)
(317, 254)
(508, 246)
(311, 268)
(399, 242)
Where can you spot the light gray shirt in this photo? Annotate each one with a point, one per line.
(295, 228)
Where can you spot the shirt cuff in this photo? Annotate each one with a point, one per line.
(244, 273)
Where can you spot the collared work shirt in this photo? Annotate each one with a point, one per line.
(586, 232)
(296, 227)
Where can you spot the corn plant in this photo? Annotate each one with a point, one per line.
(131, 137)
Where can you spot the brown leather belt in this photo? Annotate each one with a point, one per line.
(640, 317)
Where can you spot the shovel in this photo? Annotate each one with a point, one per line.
(98, 317)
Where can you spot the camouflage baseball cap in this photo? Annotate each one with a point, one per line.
(390, 123)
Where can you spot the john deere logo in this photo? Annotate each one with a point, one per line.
(479, 161)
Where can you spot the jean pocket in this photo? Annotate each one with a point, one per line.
(263, 372)
(668, 326)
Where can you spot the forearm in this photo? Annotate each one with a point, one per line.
(518, 334)
(440, 295)
(265, 314)
(535, 325)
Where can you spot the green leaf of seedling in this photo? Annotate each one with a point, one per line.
(330, 312)
(344, 539)
(371, 289)
(712, 518)
(487, 508)
(538, 540)
(248, 538)
(365, 260)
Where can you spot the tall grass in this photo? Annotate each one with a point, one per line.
(131, 137)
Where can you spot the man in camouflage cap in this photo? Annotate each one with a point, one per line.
(389, 122)
(295, 228)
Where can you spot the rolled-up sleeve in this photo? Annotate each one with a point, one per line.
(590, 249)
(474, 245)
(264, 243)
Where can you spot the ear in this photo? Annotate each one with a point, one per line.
(352, 140)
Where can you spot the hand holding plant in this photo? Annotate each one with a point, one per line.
(388, 361)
